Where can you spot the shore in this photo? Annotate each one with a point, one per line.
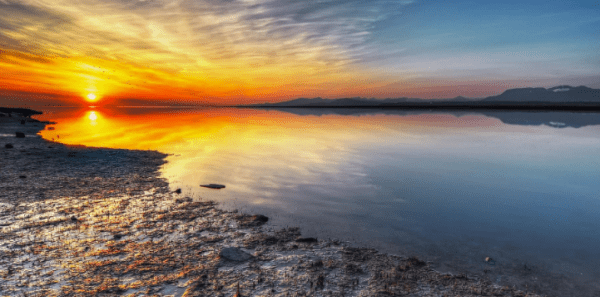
(81, 221)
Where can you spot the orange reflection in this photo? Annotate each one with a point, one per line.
(171, 130)
(232, 145)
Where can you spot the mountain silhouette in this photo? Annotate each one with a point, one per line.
(556, 98)
(562, 94)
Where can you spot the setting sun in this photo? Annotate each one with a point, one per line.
(91, 97)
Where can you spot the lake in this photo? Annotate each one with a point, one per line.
(450, 187)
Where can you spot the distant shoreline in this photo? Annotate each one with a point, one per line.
(26, 112)
(560, 98)
(454, 105)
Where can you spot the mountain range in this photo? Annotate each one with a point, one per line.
(559, 97)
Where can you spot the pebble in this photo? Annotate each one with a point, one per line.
(234, 254)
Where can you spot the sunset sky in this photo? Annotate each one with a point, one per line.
(245, 51)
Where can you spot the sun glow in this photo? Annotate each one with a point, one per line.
(91, 97)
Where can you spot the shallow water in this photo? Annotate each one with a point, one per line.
(453, 188)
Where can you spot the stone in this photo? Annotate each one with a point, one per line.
(8, 146)
(252, 221)
(20, 135)
(307, 240)
(490, 261)
(260, 218)
(213, 186)
(234, 254)
(178, 191)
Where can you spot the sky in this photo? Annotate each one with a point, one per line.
(251, 51)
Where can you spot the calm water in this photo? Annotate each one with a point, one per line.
(452, 188)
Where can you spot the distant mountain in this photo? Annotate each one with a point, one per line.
(559, 97)
(562, 94)
(352, 102)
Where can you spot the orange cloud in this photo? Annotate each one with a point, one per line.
(191, 51)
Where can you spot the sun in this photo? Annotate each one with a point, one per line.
(91, 97)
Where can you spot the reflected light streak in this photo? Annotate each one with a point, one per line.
(93, 116)
(205, 143)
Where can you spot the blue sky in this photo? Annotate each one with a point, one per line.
(510, 39)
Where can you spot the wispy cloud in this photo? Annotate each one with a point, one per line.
(283, 48)
(247, 41)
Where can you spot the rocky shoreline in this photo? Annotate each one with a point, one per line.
(78, 221)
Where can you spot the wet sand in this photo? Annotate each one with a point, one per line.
(77, 221)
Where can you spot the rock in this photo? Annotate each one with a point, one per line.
(117, 236)
(178, 191)
(252, 221)
(234, 254)
(490, 260)
(307, 240)
(213, 186)
(20, 135)
(260, 218)
(22, 176)
(8, 146)
(415, 262)
(74, 218)
(270, 240)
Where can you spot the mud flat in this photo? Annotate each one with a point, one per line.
(77, 221)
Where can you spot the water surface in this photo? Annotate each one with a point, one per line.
(453, 188)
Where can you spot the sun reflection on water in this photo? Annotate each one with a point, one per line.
(93, 116)
(249, 148)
